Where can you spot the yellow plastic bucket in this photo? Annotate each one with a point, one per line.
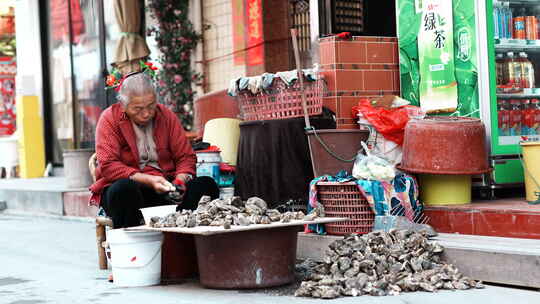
(224, 133)
(443, 189)
(531, 166)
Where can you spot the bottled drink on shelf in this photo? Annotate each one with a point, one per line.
(512, 70)
(515, 117)
(519, 28)
(527, 71)
(502, 16)
(507, 20)
(503, 116)
(502, 24)
(535, 107)
(496, 20)
(527, 117)
(531, 30)
(499, 63)
(537, 13)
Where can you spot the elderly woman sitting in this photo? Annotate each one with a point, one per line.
(141, 147)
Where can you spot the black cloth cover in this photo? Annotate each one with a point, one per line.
(274, 161)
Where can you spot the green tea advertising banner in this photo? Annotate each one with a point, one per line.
(437, 49)
(438, 86)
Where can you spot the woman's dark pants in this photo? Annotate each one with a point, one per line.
(123, 199)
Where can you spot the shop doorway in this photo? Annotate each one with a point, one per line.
(78, 45)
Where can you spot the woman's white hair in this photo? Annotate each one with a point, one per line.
(135, 85)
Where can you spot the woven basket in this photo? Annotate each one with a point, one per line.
(345, 200)
(282, 101)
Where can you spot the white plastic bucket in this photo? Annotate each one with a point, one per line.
(209, 157)
(160, 211)
(135, 257)
(76, 168)
(10, 154)
(226, 192)
(208, 164)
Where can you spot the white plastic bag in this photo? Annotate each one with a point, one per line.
(387, 149)
(371, 167)
(379, 145)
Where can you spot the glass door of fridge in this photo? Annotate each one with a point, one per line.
(517, 70)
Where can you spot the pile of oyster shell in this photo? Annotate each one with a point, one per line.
(232, 211)
(382, 263)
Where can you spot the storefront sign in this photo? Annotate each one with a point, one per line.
(239, 32)
(438, 86)
(255, 53)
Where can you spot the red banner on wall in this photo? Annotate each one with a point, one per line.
(255, 53)
(60, 20)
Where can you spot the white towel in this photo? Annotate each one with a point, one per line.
(254, 84)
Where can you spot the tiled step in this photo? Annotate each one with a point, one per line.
(503, 218)
(76, 204)
(512, 261)
(47, 196)
(39, 202)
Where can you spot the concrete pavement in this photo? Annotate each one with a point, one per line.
(54, 260)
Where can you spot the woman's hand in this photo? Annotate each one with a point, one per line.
(158, 183)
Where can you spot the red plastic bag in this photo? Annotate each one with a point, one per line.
(389, 122)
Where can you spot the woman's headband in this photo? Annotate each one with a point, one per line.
(115, 79)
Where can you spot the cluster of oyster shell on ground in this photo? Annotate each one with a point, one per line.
(382, 263)
(229, 212)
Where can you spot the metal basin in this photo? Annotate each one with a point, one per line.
(344, 143)
(445, 145)
(178, 258)
(247, 259)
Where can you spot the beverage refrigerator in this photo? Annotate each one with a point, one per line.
(495, 64)
(510, 101)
